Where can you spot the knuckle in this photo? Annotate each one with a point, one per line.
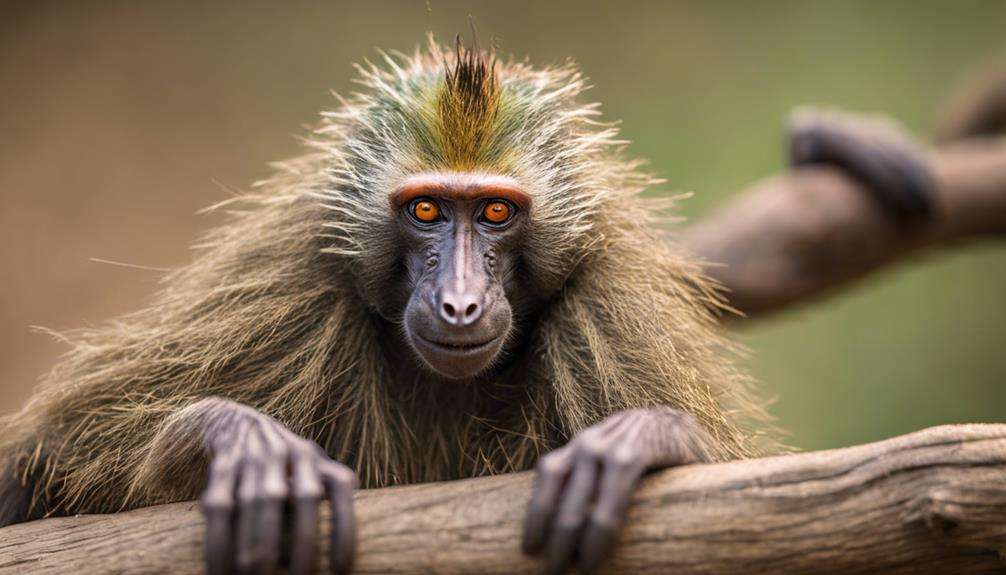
(222, 443)
(305, 457)
(216, 502)
(592, 446)
(342, 475)
(549, 464)
(273, 491)
(347, 480)
(306, 445)
(308, 487)
(223, 464)
(279, 449)
(251, 455)
(622, 458)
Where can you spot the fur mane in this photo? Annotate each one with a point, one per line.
(277, 311)
(468, 107)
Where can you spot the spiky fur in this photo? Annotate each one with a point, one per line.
(285, 308)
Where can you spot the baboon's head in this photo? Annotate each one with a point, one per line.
(463, 236)
(464, 192)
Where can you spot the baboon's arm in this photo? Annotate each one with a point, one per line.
(582, 490)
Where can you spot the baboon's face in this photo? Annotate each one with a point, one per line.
(462, 231)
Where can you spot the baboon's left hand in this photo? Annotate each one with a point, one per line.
(264, 480)
(582, 490)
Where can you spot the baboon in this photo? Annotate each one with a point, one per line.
(458, 278)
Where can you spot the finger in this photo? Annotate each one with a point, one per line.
(551, 473)
(617, 484)
(217, 503)
(247, 551)
(340, 482)
(572, 512)
(271, 496)
(306, 491)
(269, 502)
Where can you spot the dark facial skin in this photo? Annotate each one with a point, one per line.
(461, 234)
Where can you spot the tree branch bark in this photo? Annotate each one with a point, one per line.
(932, 501)
(812, 230)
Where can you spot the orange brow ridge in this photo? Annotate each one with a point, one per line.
(459, 186)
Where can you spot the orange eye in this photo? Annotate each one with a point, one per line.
(496, 212)
(425, 211)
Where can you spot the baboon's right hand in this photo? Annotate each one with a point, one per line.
(264, 478)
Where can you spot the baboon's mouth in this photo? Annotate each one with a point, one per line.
(458, 352)
(460, 347)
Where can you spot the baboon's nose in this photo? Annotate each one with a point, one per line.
(460, 307)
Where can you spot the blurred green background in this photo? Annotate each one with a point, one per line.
(119, 120)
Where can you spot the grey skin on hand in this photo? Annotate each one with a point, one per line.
(582, 490)
(264, 480)
(873, 149)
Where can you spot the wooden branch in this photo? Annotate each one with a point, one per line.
(933, 501)
(812, 230)
(977, 105)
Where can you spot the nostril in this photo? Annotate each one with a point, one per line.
(471, 310)
(449, 310)
(459, 309)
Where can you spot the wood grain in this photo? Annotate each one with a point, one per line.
(932, 502)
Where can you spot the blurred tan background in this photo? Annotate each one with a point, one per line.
(119, 120)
